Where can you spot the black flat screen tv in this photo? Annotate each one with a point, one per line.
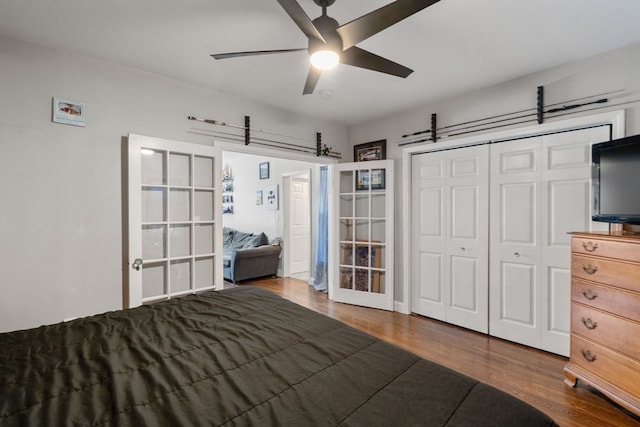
(616, 180)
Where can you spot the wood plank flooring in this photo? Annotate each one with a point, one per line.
(529, 374)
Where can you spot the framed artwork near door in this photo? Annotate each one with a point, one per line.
(370, 179)
(376, 150)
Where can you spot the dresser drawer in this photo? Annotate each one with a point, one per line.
(616, 300)
(616, 273)
(623, 250)
(606, 364)
(606, 329)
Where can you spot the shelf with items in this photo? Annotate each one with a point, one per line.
(361, 266)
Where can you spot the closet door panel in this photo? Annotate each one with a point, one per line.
(450, 196)
(464, 289)
(565, 175)
(518, 290)
(468, 233)
(431, 283)
(429, 211)
(515, 241)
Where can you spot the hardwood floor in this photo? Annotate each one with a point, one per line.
(529, 374)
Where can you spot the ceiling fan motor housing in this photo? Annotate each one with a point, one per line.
(324, 3)
(327, 27)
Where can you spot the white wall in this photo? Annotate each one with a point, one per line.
(60, 185)
(613, 71)
(247, 215)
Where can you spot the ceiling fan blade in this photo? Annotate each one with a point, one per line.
(361, 58)
(312, 80)
(372, 23)
(302, 20)
(253, 53)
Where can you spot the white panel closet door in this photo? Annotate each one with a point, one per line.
(566, 206)
(429, 237)
(515, 267)
(450, 256)
(540, 191)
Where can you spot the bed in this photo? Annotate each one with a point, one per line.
(239, 357)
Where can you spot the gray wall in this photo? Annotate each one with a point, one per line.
(612, 71)
(60, 185)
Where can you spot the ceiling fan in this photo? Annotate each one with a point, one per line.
(329, 41)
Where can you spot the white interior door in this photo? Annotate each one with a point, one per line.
(362, 242)
(450, 221)
(174, 219)
(300, 223)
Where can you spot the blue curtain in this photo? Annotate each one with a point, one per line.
(319, 278)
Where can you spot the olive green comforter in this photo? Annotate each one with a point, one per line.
(239, 357)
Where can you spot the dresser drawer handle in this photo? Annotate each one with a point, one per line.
(589, 324)
(590, 269)
(588, 356)
(589, 246)
(589, 294)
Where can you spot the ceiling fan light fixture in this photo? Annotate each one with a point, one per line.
(325, 59)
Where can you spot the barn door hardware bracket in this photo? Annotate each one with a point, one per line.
(247, 130)
(540, 105)
(434, 127)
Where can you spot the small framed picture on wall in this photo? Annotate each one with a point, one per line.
(68, 112)
(271, 197)
(263, 170)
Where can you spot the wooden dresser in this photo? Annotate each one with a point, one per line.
(605, 315)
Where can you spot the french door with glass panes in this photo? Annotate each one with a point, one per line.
(363, 238)
(174, 218)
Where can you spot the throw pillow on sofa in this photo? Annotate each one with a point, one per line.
(240, 238)
(257, 241)
(227, 236)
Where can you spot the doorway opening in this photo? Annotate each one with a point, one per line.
(290, 219)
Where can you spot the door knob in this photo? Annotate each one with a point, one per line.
(137, 264)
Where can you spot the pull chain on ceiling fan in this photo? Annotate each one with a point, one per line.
(328, 39)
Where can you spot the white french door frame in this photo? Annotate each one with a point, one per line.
(359, 234)
(134, 263)
(614, 118)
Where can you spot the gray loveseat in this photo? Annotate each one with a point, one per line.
(248, 256)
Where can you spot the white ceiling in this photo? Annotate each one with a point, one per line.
(454, 46)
